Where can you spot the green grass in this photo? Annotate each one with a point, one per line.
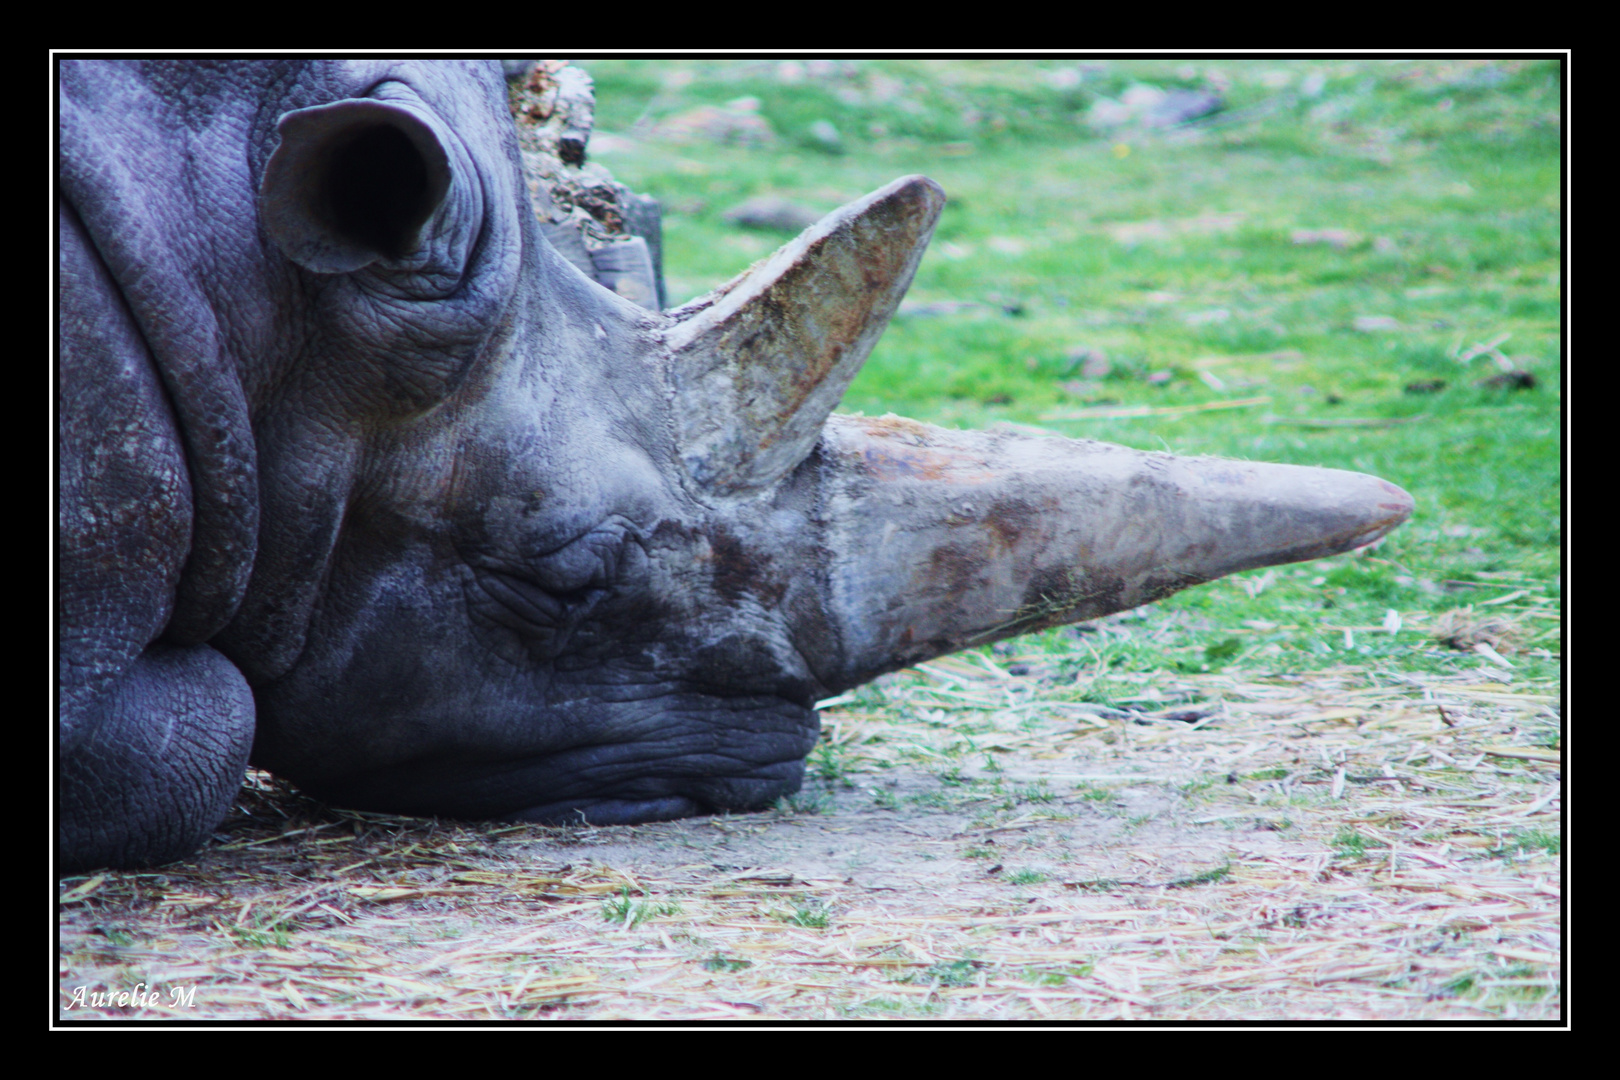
(1199, 785)
(945, 973)
(1034, 793)
(1529, 841)
(1447, 173)
(810, 914)
(1203, 877)
(632, 913)
(830, 763)
(890, 1007)
(264, 933)
(1058, 976)
(1350, 844)
(727, 964)
(804, 803)
(1514, 983)
(935, 800)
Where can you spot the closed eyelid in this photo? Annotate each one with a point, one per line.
(591, 560)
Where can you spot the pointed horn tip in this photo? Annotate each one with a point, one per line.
(921, 185)
(915, 199)
(1399, 503)
(1396, 506)
(921, 198)
(1364, 518)
(929, 195)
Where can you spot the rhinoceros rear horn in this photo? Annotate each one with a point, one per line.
(351, 183)
(759, 364)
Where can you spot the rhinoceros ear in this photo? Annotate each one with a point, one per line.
(759, 364)
(351, 183)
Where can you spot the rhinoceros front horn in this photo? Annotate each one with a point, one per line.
(942, 540)
(939, 540)
(760, 363)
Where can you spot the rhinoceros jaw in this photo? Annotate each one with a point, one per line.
(759, 365)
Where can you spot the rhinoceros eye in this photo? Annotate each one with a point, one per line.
(589, 562)
(528, 608)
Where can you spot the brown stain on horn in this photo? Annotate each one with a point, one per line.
(824, 318)
(899, 449)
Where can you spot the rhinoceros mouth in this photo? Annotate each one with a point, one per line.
(665, 798)
(610, 811)
(733, 795)
(679, 755)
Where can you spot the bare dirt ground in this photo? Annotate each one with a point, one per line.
(971, 844)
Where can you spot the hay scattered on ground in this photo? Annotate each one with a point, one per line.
(975, 842)
(1464, 629)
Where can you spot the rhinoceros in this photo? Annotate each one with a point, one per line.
(362, 482)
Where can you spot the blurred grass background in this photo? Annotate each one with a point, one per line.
(1372, 247)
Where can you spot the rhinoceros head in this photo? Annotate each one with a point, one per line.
(528, 551)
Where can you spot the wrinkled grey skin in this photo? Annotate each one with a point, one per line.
(361, 481)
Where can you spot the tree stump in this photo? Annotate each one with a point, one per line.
(613, 235)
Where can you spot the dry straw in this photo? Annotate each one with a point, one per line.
(975, 841)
